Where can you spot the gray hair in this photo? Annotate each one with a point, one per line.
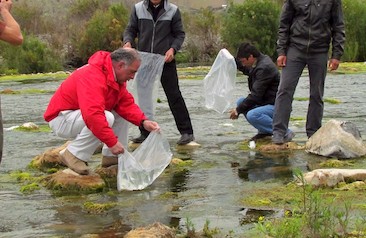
(128, 55)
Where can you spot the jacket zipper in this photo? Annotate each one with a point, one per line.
(153, 36)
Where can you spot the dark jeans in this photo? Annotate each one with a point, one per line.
(296, 62)
(177, 105)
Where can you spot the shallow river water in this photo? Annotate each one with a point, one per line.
(209, 190)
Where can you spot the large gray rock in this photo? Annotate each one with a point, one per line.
(337, 139)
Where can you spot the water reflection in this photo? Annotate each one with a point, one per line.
(262, 167)
(179, 180)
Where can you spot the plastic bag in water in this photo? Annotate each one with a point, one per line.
(219, 83)
(139, 169)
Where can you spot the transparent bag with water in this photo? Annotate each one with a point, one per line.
(139, 169)
(219, 83)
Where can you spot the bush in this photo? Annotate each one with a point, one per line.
(103, 32)
(203, 40)
(355, 21)
(33, 56)
(254, 21)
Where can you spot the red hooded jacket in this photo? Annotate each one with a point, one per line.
(93, 89)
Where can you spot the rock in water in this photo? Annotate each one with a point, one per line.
(156, 230)
(337, 139)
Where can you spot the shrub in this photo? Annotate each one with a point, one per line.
(203, 39)
(355, 21)
(254, 21)
(33, 56)
(103, 32)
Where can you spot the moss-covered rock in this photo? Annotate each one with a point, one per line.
(156, 230)
(70, 182)
(48, 160)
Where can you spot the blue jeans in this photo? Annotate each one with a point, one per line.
(260, 117)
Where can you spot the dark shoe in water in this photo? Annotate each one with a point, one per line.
(139, 139)
(279, 140)
(260, 136)
(289, 136)
(185, 139)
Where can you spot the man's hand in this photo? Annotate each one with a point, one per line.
(127, 45)
(117, 149)
(169, 55)
(333, 64)
(233, 114)
(151, 125)
(281, 61)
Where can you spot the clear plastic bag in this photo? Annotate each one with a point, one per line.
(139, 169)
(145, 85)
(219, 83)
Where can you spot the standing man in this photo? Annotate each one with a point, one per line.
(158, 26)
(90, 106)
(306, 30)
(9, 32)
(263, 80)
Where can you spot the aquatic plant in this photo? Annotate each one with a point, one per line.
(98, 208)
(317, 215)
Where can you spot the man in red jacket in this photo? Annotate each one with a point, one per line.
(92, 106)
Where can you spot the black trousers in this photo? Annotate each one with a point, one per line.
(177, 105)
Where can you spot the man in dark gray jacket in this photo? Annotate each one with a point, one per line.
(306, 30)
(158, 26)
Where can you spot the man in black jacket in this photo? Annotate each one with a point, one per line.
(263, 80)
(305, 32)
(158, 26)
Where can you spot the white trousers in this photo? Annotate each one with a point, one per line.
(70, 125)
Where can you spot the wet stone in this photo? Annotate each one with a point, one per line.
(68, 180)
(156, 230)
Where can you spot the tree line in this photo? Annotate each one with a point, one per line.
(63, 36)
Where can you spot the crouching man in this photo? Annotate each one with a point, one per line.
(92, 105)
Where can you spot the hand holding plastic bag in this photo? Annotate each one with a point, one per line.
(139, 169)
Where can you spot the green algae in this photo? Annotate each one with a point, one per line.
(335, 163)
(351, 68)
(26, 91)
(98, 208)
(326, 100)
(36, 128)
(30, 188)
(29, 182)
(34, 78)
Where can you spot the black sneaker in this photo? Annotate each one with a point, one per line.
(185, 139)
(139, 139)
(260, 136)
